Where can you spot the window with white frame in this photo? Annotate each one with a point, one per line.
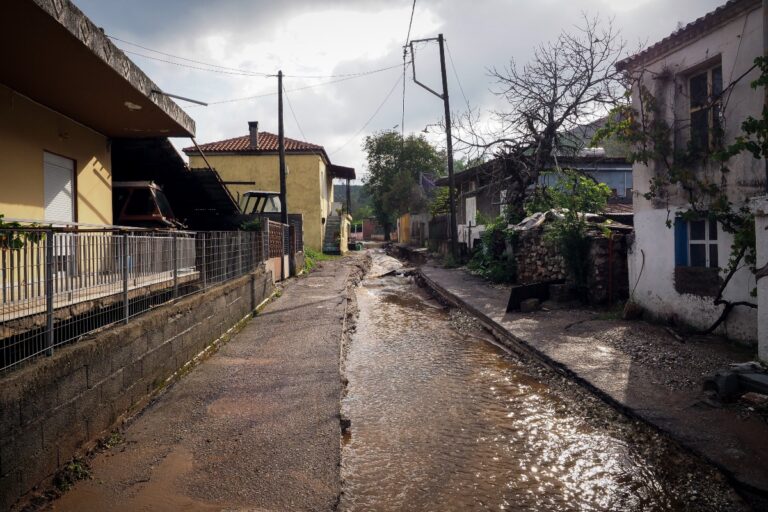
(696, 243)
(704, 89)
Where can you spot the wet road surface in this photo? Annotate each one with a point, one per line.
(442, 419)
(255, 427)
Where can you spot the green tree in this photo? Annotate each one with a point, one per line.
(573, 191)
(574, 194)
(394, 168)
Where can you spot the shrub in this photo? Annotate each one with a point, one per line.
(490, 260)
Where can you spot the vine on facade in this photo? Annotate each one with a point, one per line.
(653, 141)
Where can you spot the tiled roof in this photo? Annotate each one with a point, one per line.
(267, 143)
(690, 32)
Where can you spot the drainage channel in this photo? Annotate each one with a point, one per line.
(444, 419)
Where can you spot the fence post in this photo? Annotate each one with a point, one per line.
(203, 270)
(265, 242)
(49, 292)
(126, 312)
(175, 267)
(239, 253)
(292, 249)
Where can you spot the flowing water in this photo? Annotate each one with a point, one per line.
(442, 419)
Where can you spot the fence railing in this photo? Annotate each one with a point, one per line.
(57, 285)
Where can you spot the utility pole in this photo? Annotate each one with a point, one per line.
(449, 141)
(281, 151)
(765, 88)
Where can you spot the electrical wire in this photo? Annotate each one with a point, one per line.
(293, 113)
(222, 71)
(347, 75)
(297, 89)
(461, 88)
(234, 71)
(237, 70)
(456, 74)
(375, 113)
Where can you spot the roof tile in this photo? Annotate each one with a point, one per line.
(689, 32)
(267, 143)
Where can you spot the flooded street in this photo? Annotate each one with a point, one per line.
(442, 419)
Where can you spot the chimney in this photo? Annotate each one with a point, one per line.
(253, 131)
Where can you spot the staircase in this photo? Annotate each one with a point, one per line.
(332, 231)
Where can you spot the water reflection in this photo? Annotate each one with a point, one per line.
(445, 421)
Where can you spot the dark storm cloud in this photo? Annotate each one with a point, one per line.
(481, 34)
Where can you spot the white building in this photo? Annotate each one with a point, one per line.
(678, 269)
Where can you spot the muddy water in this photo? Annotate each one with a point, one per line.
(448, 421)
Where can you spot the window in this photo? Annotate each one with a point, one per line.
(696, 243)
(704, 90)
(58, 188)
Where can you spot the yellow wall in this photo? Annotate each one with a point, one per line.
(26, 131)
(404, 228)
(307, 184)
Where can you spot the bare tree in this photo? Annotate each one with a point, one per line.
(569, 83)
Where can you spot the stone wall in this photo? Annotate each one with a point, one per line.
(54, 408)
(536, 260)
(608, 278)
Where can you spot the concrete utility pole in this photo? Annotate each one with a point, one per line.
(449, 141)
(281, 151)
(765, 88)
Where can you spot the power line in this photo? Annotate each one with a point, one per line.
(293, 113)
(458, 81)
(231, 70)
(456, 74)
(347, 75)
(222, 71)
(384, 101)
(410, 23)
(238, 70)
(297, 89)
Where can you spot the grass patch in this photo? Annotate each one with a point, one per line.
(111, 441)
(312, 257)
(66, 477)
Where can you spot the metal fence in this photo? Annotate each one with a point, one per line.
(59, 284)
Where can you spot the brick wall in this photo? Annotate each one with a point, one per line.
(53, 408)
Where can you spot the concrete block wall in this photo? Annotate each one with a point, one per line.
(55, 407)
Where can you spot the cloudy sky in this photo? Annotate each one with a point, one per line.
(314, 42)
